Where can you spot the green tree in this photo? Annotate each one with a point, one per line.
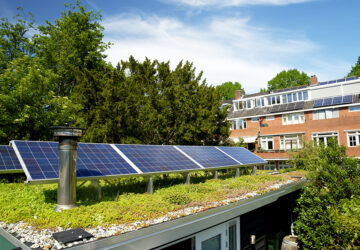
(147, 102)
(227, 89)
(355, 70)
(14, 42)
(334, 179)
(287, 79)
(28, 106)
(72, 43)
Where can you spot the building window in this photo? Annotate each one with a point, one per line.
(354, 108)
(305, 95)
(248, 104)
(294, 118)
(294, 97)
(284, 164)
(353, 138)
(289, 97)
(290, 142)
(270, 165)
(300, 97)
(267, 142)
(270, 118)
(325, 114)
(238, 124)
(324, 138)
(284, 100)
(255, 119)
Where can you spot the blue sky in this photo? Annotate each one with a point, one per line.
(248, 41)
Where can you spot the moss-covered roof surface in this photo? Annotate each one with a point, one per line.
(124, 201)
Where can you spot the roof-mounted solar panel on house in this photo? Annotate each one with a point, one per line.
(275, 109)
(318, 103)
(8, 160)
(327, 101)
(347, 99)
(337, 100)
(299, 105)
(290, 106)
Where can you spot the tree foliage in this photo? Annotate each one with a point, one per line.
(59, 74)
(355, 70)
(287, 79)
(147, 102)
(227, 89)
(334, 180)
(72, 43)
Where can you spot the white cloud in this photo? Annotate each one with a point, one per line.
(226, 49)
(225, 3)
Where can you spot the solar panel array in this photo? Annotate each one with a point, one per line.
(339, 80)
(96, 160)
(8, 160)
(333, 101)
(287, 107)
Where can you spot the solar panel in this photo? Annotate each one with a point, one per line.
(93, 160)
(208, 157)
(332, 81)
(337, 100)
(282, 107)
(8, 160)
(347, 99)
(157, 158)
(290, 106)
(275, 109)
(299, 105)
(318, 103)
(327, 101)
(351, 78)
(242, 155)
(96, 159)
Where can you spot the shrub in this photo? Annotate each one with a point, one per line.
(333, 180)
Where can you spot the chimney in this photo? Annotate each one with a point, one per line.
(313, 80)
(239, 93)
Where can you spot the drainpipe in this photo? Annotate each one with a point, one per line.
(68, 137)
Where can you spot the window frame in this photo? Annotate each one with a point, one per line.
(357, 108)
(355, 134)
(285, 138)
(290, 118)
(265, 140)
(325, 135)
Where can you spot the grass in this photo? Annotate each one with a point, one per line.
(124, 200)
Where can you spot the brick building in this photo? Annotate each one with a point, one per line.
(273, 123)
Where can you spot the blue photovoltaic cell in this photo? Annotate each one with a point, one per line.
(40, 158)
(318, 103)
(96, 159)
(93, 160)
(8, 159)
(208, 157)
(347, 99)
(327, 101)
(157, 158)
(337, 100)
(242, 155)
